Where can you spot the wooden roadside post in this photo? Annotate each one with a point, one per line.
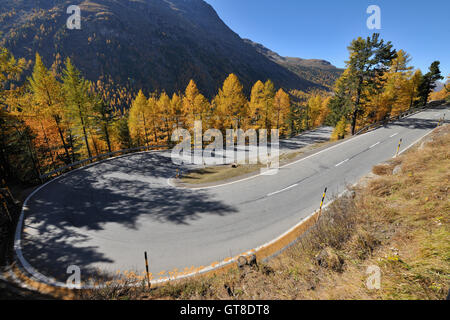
(147, 270)
(398, 148)
(321, 204)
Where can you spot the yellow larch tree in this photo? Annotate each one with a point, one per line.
(256, 104)
(194, 105)
(317, 106)
(176, 111)
(281, 109)
(231, 105)
(399, 89)
(48, 100)
(138, 119)
(156, 121)
(267, 105)
(164, 107)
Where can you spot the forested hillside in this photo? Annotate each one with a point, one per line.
(152, 45)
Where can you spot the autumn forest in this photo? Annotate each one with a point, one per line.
(56, 117)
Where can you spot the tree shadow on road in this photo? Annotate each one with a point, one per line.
(123, 191)
(414, 123)
(318, 135)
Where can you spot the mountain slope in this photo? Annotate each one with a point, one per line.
(150, 44)
(314, 70)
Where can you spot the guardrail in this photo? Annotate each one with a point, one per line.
(400, 116)
(104, 156)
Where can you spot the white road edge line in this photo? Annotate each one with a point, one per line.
(395, 134)
(373, 146)
(340, 163)
(285, 189)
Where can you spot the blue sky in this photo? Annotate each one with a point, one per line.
(322, 29)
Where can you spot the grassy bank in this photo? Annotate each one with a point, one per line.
(398, 223)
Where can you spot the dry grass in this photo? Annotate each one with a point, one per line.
(399, 223)
(386, 168)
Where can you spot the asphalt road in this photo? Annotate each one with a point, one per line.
(105, 216)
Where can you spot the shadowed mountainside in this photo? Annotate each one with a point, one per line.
(149, 44)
